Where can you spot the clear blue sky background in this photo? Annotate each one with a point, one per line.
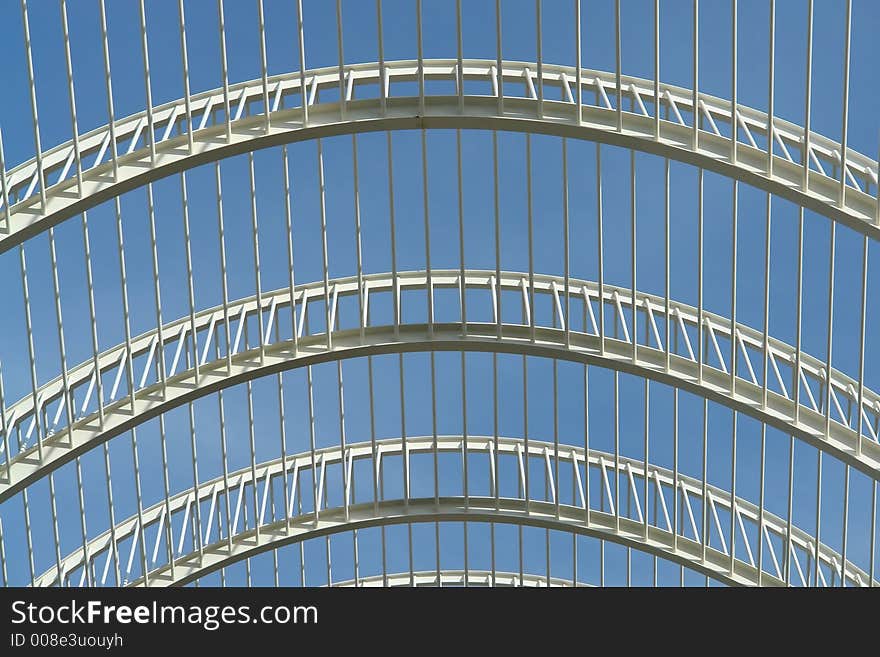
(360, 45)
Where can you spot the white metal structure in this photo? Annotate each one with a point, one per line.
(562, 484)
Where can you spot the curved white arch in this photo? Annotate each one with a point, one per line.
(655, 358)
(213, 138)
(672, 532)
(498, 579)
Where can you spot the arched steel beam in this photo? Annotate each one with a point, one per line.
(455, 578)
(663, 534)
(213, 139)
(671, 361)
(509, 511)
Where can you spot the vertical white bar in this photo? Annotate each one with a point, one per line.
(169, 542)
(656, 75)
(252, 452)
(771, 89)
(264, 79)
(846, 478)
(347, 481)
(395, 288)
(255, 236)
(761, 511)
(29, 537)
(324, 251)
(667, 273)
(616, 501)
(565, 245)
(147, 83)
(462, 283)
(554, 482)
(4, 184)
(224, 68)
(700, 273)
(31, 351)
(427, 229)
(71, 97)
(421, 58)
(288, 216)
(634, 253)
(498, 61)
(647, 448)
(675, 468)
(789, 546)
(830, 328)
(3, 557)
(108, 85)
(579, 65)
(733, 272)
(808, 97)
(586, 442)
(459, 86)
(221, 233)
(35, 120)
(383, 100)
(225, 461)
(343, 102)
(704, 525)
(734, 127)
(6, 430)
(374, 456)
(184, 65)
(818, 518)
(466, 455)
(540, 63)
(139, 501)
(302, 62)
(434, 436)
(873, 533)
(843, 131)
(315, 500)
(601, 250)
(497, 207)
(189, 274)
(531, 241)
(67, 397)
(862, 316)
(617, 71)
(157, 295)
(93, 323)
(404, 448)
(695, 98)
(766, 346)
(197, 514)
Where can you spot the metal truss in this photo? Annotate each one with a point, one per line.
(142, 148)
(205, 364)
(165, 531)
(452, 578)
(636, 503)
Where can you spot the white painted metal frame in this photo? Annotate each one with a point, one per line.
(796, 393)
(673, 361)
(615, 520)
(247, 130)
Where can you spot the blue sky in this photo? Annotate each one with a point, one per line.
(518, 43)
